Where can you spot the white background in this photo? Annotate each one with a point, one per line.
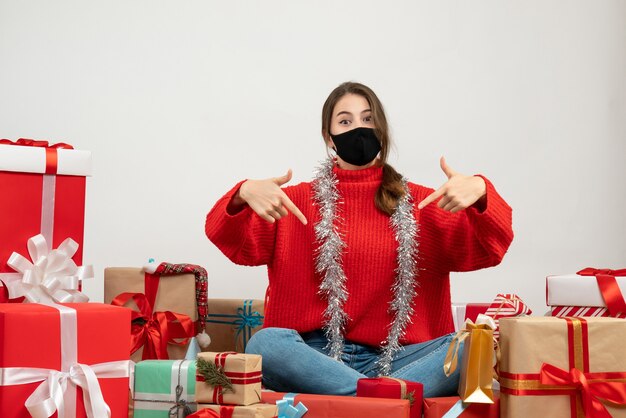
(178, 100)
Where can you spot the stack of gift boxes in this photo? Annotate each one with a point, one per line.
(572, 364)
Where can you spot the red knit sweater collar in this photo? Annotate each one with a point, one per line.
(367, 175)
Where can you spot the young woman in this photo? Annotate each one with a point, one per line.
(359, 258)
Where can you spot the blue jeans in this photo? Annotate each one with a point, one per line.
(299, 363)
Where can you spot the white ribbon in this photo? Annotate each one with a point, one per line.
(52, 276)
(57, 392)
(482, 319)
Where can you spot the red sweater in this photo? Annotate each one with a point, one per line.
(467, 240)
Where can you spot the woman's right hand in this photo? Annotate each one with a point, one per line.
(267, 199)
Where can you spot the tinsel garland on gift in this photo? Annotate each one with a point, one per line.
(329, 265)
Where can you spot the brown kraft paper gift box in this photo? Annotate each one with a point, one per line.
(591, 351)
(259, 410)
(231, 322)
(241, 371)
(177, 293)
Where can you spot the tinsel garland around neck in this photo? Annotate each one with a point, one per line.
(329, 264)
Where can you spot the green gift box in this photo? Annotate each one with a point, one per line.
(164, 388)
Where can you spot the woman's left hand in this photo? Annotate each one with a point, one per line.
(458, 193)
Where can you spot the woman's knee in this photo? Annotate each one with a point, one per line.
(271, 340)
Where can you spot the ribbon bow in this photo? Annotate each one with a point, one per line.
(590, 271)
(452, 356)
(246, 321)
(154, 330)
(286, 408)
(57, 390)
(180, 404)
(52, 276)
(591, 390)
(34, 143)
(48, 397)
(252, 320)
(243, 322)
(609, 288)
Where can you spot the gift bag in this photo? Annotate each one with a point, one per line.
(477, 367)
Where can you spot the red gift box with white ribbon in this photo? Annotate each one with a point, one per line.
(64, 360)
(43, 189)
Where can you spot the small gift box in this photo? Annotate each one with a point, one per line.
(164, 388)
(259, 410)
(231, 323)
(590, 292)
(44, 193)
(228, 378)
(477, 369)
(165, 313)
(392, 388)
(78, 365)
(323, 406)
(563, 367)
(506, 305)
(452, 407)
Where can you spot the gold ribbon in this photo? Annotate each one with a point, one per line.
(402, 386)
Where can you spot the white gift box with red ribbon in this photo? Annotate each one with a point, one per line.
(575, 290)
(590, 292)
(35, 159)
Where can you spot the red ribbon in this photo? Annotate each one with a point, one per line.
(158, 328)
(34, 143)
(205, 413)
(591, 391)
(609, 288)
(591, 386)
(51, 150)
(236, 378)
(227, 411)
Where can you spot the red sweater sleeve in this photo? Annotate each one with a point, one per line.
(244, 237)
(468, 240)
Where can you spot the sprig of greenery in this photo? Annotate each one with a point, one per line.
(411, 397)
(213, 375)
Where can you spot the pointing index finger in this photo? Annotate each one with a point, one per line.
(430, 198)
(294, 209)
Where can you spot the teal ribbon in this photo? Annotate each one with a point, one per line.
(456, 410)
(286, 408)
(244, 321)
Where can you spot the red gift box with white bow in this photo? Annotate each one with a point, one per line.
(64, 360)
(43, 189)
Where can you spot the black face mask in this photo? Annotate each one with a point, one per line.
(358, 146)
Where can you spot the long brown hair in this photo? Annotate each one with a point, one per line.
(391, 189)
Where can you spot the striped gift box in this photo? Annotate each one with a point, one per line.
(506, 305)
(589, 311)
